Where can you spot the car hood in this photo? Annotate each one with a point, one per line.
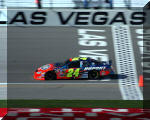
(47, 67)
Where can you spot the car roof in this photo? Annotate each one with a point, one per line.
(80, 59)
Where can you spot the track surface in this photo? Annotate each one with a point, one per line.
(31, 47)
(64, 91)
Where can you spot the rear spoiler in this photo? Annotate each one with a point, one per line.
(110, 62)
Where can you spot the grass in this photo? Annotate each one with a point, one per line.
(3, 104)
(71, 104)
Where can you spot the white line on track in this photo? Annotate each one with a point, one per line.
(105, 80)
(93, 80)
(99, 80)
(52, 83)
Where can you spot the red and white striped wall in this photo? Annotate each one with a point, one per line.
(74, 114)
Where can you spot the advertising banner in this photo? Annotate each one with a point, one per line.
(73, 17)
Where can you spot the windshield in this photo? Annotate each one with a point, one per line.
(60, 64)
(67, 61)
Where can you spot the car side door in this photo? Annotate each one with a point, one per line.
(73, 69)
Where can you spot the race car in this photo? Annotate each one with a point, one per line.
(75, 68)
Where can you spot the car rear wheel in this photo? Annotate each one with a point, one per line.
(93, 74)
(51, 75)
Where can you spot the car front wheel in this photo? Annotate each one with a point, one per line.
(51, 75)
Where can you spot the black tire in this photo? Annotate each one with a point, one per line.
(50, 75)
(93, 74)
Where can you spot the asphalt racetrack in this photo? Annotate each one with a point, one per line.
(32, 47)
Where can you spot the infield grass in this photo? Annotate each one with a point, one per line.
(71, 104)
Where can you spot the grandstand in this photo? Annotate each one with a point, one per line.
(67, 3)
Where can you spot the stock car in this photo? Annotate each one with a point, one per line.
(75, 68)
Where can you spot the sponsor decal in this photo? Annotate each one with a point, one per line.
(94, 68)
(38, 72)
(43, 74)
(45, 67)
